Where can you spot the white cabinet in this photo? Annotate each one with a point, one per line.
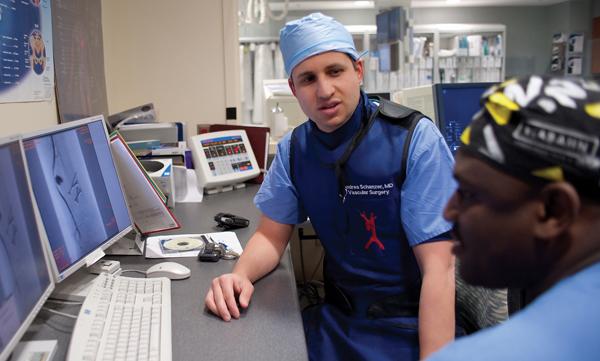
(460, 53)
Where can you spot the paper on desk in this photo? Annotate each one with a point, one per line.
(155, 245)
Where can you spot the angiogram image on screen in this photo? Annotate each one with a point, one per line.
(455, 106)
(77, 190)
(23, 270)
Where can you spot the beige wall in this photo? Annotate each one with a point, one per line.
(25, 117)
(155, 52)
(168, 53)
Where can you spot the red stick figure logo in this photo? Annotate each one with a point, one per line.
(370, 226)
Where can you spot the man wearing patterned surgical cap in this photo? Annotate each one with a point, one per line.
(373, 178)
(527, 215)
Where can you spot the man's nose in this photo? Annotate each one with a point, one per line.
(325, 88)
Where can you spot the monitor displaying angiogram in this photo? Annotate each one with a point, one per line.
(455, 106)
(77, 190)
(25, 280)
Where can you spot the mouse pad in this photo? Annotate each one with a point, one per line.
(188, 245)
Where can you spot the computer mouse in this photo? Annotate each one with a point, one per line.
(171, 270)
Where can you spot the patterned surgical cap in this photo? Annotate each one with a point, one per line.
(541, 128)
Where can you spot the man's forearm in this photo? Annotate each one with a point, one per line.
(436, 311)
(264, 249)
(259, 258)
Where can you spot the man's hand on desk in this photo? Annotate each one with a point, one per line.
(226, 290)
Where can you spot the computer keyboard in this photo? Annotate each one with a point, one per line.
(125, 319)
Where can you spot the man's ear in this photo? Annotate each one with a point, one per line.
(291, 84)
(560, 206)
(360, 69)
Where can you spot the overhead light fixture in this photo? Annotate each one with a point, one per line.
(323, 5)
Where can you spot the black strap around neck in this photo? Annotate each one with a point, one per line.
(409, 119)
(354, 142)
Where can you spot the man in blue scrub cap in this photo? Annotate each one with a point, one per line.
(527, 215)
(389, 271)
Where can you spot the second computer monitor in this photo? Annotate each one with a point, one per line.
(25, 279)
(455, 105)
(77, 190)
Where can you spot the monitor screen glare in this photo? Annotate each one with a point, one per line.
(78, 192)
(25, 280)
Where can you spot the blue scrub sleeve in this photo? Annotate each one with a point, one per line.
(428, 186)
(277, 197)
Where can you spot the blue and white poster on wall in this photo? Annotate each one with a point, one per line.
(26, 64)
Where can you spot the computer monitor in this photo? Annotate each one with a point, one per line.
(382, 20)
(277, 93)
(25, 278)
(419, 98)
(455, 105)
(78, 192)
(385, 57)
(377, 95)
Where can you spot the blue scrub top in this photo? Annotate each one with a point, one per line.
(425, 191)
(562, 324)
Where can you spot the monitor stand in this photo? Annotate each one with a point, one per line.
(35, 350)
(75, 287)
(130, 245)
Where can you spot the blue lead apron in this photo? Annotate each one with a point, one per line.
(368, 259)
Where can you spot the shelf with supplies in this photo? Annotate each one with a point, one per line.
(460, 53)
(421, 60)
(567, 53)
(437, 53)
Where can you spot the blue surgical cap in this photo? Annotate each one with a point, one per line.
(314, 34)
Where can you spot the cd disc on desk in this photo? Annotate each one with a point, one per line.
(183, 244)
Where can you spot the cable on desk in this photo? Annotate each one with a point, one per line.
(59, 313)
(314, 272)
(302, 237)
(310, 292)
(301, 256)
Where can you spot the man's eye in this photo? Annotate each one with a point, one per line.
(466, 195)
(335, 72)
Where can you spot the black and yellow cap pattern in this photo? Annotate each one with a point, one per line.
(542, 128)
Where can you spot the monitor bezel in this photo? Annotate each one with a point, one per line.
(83, 261)
(27, 321)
